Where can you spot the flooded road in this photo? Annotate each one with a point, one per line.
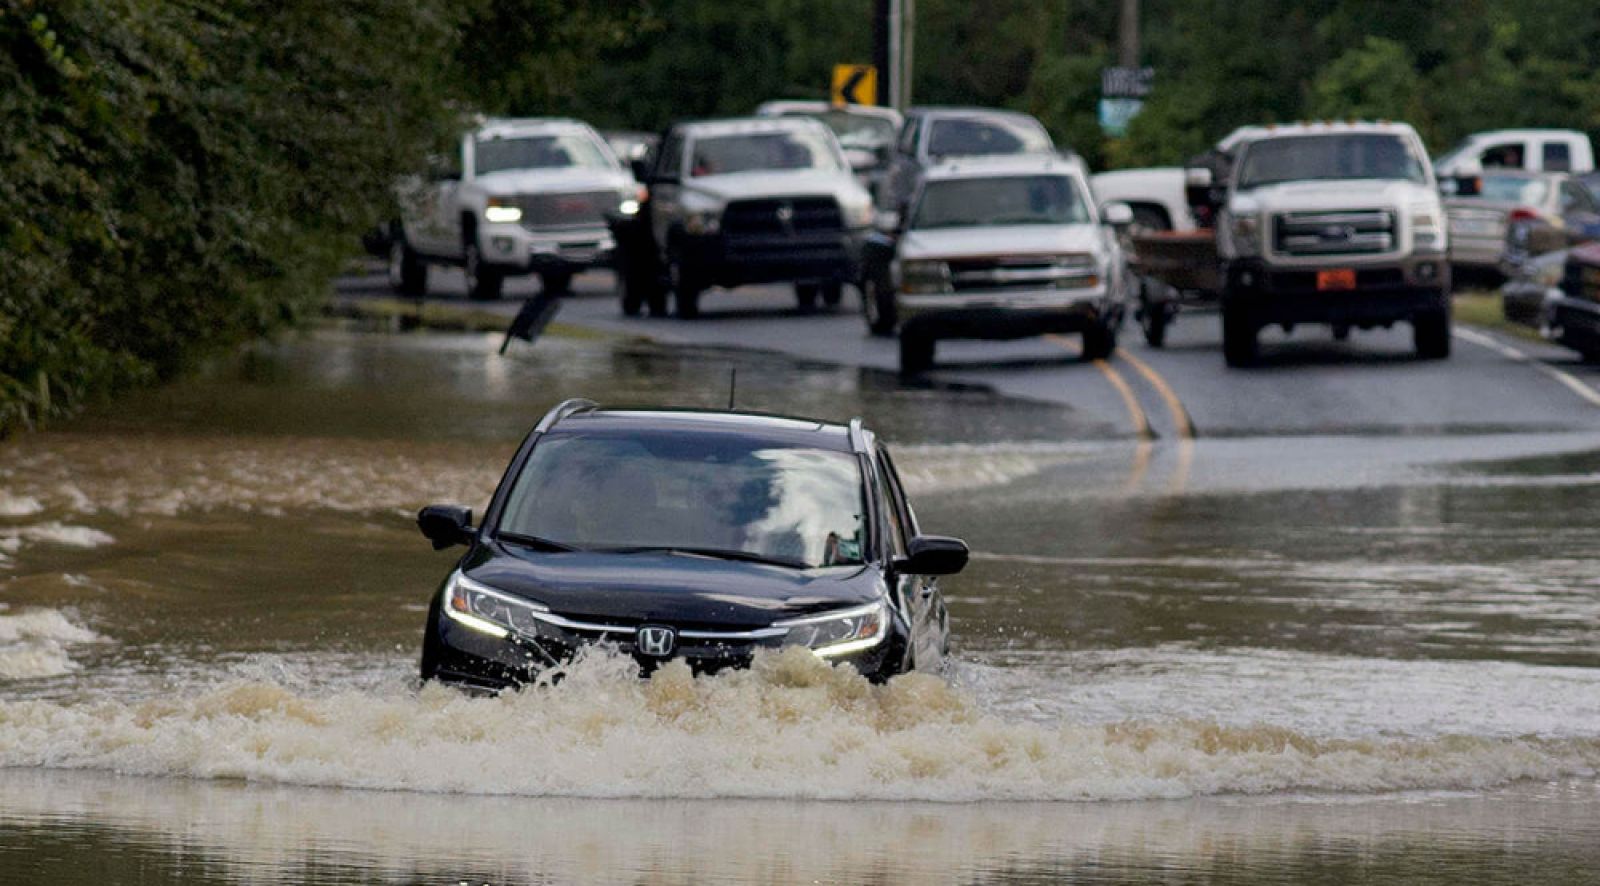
(1319, 658)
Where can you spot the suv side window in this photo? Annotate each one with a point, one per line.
(1557, 157)
(902, 505)
(1576, 198)
(894, 525)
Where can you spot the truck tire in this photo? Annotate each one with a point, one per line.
(877, 306)
(832, 294)
(1099, 342)
(916, 354)
(484, 283)
(1431, 334)
(805, 296)
(408, 271)
(1239, 331)
(686, 288)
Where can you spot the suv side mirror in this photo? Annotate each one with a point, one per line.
(445, 525)
(934, 555)
(1117, 214)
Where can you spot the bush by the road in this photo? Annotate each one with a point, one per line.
(179, 175)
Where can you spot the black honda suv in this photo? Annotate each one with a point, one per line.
(686, 534)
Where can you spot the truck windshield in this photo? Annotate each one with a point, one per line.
(1329, 157)
(856, 130)
(763, 151)
(690, 491)
(1008, 200)
(502, 153)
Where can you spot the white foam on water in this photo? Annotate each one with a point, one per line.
(18, 505)
(789, 727)
(33, 644)
(59, 534)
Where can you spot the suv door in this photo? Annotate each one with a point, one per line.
(919, 594)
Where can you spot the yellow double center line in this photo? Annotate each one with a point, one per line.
(1130, 401)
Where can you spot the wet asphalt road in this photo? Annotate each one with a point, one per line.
(1308, 384)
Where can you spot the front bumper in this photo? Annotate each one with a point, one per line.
(740, 260)
(1385, 292)
(513, 247)
(1006, 315)
(467, 657)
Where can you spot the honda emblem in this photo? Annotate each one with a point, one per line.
(656, 641)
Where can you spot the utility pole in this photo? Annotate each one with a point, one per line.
(896, 51)
(908, 41)
(1128, 35)
(880, 50)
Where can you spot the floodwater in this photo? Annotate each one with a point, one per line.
(1254, 660)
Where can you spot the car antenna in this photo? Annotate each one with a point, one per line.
(733, 385)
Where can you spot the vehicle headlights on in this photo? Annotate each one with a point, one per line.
(499, 210)
(924, 277)
(841, 632)
(485, 609)
(1246, 230)
(631, 200)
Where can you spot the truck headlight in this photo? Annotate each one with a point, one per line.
(1426, 232)
(1077, 272)
(631, 200)
(485, 609)
(840, 632)
(857, 215)
(924, 276)
(1246, 231)
(499, 211)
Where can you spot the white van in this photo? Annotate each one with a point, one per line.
(1535, 150)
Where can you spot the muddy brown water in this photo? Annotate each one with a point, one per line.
(1294, 660)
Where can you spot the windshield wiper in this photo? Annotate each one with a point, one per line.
(718, 553)
(535, 542)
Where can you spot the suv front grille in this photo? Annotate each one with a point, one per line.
(1349, 232)
(1019, 272)
(782, 217)
(575, 210)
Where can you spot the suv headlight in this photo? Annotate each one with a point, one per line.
(841, 632)
(1246, 230)
(631, 200)
(485, 609)
(856, 214)
(924, 276)
(1077, 271)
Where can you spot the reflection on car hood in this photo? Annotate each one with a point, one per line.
(556, 181)
(677, 589)
(1362, 193)
(1007, 240)
(778, 183)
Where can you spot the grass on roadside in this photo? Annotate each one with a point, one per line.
(1481, 308)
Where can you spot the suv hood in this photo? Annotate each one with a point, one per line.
(1342, 194)
(679, 589)
(838, 184)
(1002, 240)
(555, 181)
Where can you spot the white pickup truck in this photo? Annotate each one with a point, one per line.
(1330, 223)
(527, 196)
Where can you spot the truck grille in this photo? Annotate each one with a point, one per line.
(1351, 232)
(576, 210)
(1021, 272)
(782, 216)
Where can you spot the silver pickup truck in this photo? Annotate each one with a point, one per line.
(527, 196)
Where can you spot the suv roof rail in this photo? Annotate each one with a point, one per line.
(562, 410)
(858, 437)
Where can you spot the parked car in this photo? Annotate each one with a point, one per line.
(935, 135)
(1514, 216)
(998, 248)
(750, 200)
(1534, 150)
(687, 535)
(1158, 197)
(866, 133)
(1570, 314)
(521, 196)
(1331, 223)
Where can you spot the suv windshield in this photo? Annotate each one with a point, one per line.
(961, 137)
(704, 493)
(855, 130)
(1329, 157)
(537, 152)
(756, 151)
(1011, 200)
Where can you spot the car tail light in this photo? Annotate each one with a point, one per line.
(1524, 214)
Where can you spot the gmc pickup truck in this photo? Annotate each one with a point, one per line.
(527, 196)
(1330, 223)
